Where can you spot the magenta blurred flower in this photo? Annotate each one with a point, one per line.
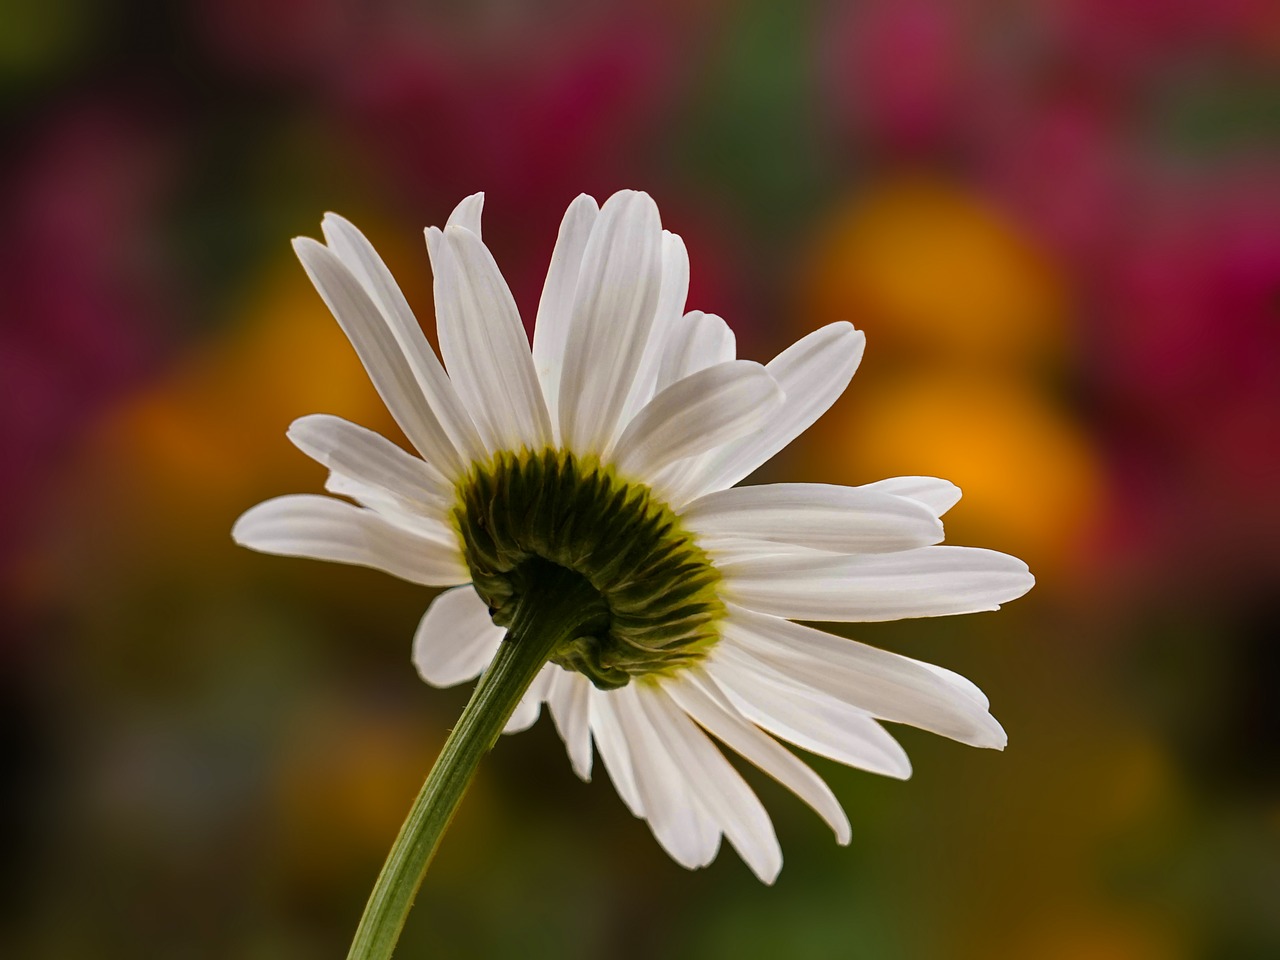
(532, 110)
(1188, 358)
(82, 285)
(899, 72)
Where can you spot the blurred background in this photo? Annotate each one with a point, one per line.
(1058, 222)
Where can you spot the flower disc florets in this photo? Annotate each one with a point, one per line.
(656, 588)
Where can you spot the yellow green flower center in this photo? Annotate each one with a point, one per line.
(521, 516)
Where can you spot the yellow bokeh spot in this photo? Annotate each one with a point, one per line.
(209, 438)
(920, 264)
(1031, 482)
(1100, 934)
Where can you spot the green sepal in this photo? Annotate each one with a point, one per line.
(657, 587)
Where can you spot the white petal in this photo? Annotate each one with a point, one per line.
(567, 697)
(699, 340)
(698, 413)
(484, 345)
(359, 256)
(804, 716)
(886, 685)
(678, 822)
(613, 312)
(606, 730)
(555, 308)
(938, 495)
(928, 582)
(812, 374)
(529, 708)
(672, 293)
(304, 525)
(362, 455)
(728, 549)
(708, 707)
(413, 518)
(823, 516)
(467, 213)
(381, 353)
(455, 639)
(719, 788)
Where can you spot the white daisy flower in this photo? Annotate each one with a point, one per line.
(600, 467)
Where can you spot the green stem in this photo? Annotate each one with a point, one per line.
(563, 607)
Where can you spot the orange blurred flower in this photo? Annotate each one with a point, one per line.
(922, 266)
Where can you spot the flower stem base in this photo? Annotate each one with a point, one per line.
(558, 606)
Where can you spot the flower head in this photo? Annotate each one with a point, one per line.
(608, 454)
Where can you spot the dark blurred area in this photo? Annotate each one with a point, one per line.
(1058, 222)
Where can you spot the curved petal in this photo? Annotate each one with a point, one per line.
(467, 213)
(305, 525)
(680, 824)
(380, 352)
(706, 705)
(728, 549)
(718, 788)
(886, 685)
(568, 697)
(700, 412)
(938, 495)
(804, 716)
(812, 374)
(819, 515)
(455, 639)
(484, 345)
(697, 341)
(672, 293)
(358, 254)
(529, 708)
(613, 312)
(362, 455)
(555, 308)
(928, 582)
(410, 517)
(610, 740)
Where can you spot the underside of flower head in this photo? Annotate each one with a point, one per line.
(658, 606)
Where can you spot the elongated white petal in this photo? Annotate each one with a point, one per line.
(938, 495)
(529, 708)
(706, 705)
(730, 549)
(676, 817)
(928, 582)
(567, 696)
(359, 256)
(380, 352)
(886, 685)
(484, 345)
(555, 308)
(305, 525)
(611, 741)
(412, 518)
(697, 341)
(672, 293)
(614, 307)
(455, 639)
(844, 519)
(732, 806)
(698, 413)
(353, 451)
(799, 714)
(812, 374)
(467, 214)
